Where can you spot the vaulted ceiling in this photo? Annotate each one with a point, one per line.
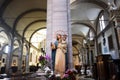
(84, 15)
(28, 16)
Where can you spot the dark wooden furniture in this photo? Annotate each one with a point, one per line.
(114, 67)
(94, 71)
(2, 71)
(103, 67)
(78, 68)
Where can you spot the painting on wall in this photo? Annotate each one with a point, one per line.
(118, 36)
(99, 49)
(110, 43)
(3, 60)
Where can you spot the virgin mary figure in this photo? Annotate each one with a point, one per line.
(54, 48)
(60, 57)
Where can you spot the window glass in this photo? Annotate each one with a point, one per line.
(102, 22)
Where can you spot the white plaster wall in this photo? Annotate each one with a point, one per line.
(3, 56)
(35, 56)
(105, 49)
(100, 40)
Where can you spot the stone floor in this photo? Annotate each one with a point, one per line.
(83, 77)
(32, 77)
(43, 78)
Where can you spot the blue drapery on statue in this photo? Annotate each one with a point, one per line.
(54, 54)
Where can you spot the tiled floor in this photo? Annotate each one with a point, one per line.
(83, 77)
(32, 77)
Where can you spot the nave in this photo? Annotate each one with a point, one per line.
(63, 35)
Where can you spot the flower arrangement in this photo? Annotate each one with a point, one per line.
(54, 77)
(69, 75)
(43, 60)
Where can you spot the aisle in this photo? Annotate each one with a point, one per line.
(83, 77)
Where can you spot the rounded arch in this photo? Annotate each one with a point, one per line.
(5, 46)
(27, 46)
(25, 49)
(16, 50)
(31, 24)
(77, 42)
(17, 45)
(99, 3)
(89, 26)
(18, 42)
(4, 6)
(8, 35)
(79, 35)
(35, 32)
(97, 20)
(24, 13)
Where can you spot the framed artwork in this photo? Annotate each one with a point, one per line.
(118, 36)
(3, 60)
(110, 42)
(99, 48)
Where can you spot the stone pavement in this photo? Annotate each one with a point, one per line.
(34, 77)
(83, 77)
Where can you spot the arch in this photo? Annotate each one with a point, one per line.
(18, 41)
(16, 49)
(76, 42)
(85, 25)
(79, 35)
(99, 3)
(31, 24)
(24, 13)
(97, 20)
(35, 32)
(4, 6)
(9, 36)
(3, 47)
(27, 47)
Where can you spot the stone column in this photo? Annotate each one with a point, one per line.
(27, 60)
(58, 21)
(9, 57)
(20, 55)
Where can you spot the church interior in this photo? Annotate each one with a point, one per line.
(92, 27)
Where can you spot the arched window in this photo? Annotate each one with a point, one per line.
(91, 35)
(102, 22)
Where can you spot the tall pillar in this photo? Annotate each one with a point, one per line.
(58, 21)
(27, 60)
(9, 57)
(20, 55)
